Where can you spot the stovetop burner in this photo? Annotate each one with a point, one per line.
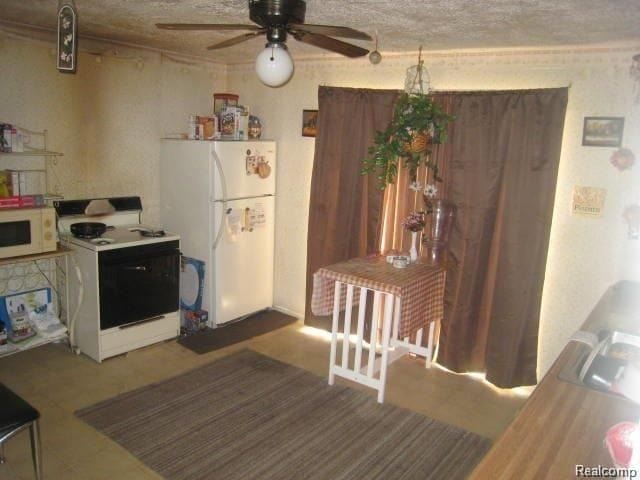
(152, 233)
(102, 241)
(148, 232)
(86, 237)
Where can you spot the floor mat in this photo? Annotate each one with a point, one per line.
(250, 417)
(215, 338)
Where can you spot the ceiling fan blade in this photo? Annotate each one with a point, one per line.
(205, 26)
(332, 31)
(329, 43)
(236, 40)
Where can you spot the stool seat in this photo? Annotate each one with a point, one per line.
(14, 412)
(15, 416)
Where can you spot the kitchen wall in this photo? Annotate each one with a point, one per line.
(586, 255)
(109, 117)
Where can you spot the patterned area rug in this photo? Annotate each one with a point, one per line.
(248, 416)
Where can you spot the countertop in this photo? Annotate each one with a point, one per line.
(562, 424)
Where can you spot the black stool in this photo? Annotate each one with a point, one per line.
(15, 416)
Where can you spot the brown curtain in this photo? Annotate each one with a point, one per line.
(504, 151)
(345, 207)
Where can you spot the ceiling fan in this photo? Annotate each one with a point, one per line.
(277, 18)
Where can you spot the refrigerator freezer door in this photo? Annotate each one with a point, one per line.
(243, 259)
(248, 169)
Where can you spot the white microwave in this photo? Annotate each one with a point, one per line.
(25, 231)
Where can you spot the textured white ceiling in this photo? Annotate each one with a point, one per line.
(401, 25)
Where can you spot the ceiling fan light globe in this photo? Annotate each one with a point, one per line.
(274, 65)
(375, 57)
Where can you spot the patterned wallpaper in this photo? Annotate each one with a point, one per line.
(586, 255)
(108, 118)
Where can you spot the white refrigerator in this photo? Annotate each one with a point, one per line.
(220, 197)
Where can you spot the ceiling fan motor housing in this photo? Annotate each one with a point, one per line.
(276, 35)
(277, 13)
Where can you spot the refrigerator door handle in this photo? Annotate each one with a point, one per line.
(223, 182)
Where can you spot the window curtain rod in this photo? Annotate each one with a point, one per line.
(497, 92)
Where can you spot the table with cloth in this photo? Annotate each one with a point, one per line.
(406, 301)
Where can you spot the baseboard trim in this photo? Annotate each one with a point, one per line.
(287, 311)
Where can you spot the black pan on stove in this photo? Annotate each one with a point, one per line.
(88, 229)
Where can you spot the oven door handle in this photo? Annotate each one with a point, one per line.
(140, 322)
(138, 268)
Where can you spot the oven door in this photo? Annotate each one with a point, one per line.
(138, 283)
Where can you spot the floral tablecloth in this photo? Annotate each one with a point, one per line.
(419, 286)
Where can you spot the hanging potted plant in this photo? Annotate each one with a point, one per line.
(417, 122)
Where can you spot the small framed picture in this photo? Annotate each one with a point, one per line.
(602, 131)
(309, 123)
(67, 38)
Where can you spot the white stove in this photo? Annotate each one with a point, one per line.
(128, 282)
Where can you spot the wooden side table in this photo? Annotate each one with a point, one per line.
(405, 302)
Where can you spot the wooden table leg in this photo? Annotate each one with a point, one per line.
(334, 333)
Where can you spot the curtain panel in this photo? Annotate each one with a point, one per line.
(503, 160)
(345, 207)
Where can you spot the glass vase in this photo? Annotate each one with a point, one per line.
(436, 238)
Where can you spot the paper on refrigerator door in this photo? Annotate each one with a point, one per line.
(254, 217)
(234, 224)
(257, 216)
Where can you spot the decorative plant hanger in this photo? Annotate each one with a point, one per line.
(417, 80)
(416, 124)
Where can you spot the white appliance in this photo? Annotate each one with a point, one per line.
(25, 231)
(220, 197)
(126, 295)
